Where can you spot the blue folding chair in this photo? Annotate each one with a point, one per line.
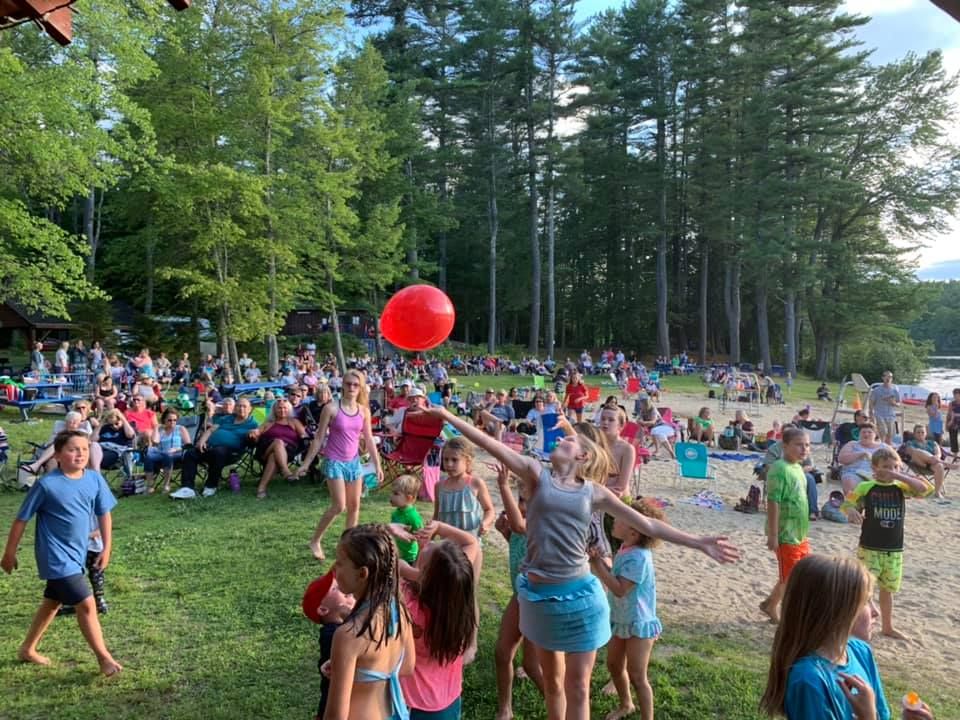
(693, 464)
(547, 435)
(435, 398)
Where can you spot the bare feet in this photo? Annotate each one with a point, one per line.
(521, 674)
(109, 666)
(32, 656)
(609, 689)
(892, 632)
(621, 712)
(505, 714)
(771, 612)
(317, 550)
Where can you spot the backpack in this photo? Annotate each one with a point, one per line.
(729, 440)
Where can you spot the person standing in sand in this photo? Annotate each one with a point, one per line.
(883, 403)
(881, 500)
(788, 514)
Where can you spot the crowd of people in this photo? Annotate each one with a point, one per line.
(399, 609)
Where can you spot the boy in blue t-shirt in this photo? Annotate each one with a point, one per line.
(63, 501)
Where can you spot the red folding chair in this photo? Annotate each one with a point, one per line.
(633, 386)
(418, 433)
(631, 433)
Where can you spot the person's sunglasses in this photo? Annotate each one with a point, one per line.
(351, 384)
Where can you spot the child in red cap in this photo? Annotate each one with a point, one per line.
(325, 604)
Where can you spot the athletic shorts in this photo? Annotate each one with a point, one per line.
(348, 471)
(886, 566)
(886, 427)
(789, 555)
(71, 590)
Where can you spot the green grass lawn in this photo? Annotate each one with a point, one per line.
(205, 616)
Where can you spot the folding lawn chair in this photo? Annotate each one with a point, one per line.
(631, 433)
(548, 435)
(693, 463)
(538, 382)
(418, 433)
(819, 433)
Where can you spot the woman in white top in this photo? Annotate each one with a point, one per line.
(856, 455)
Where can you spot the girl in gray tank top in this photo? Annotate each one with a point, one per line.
(563, 608)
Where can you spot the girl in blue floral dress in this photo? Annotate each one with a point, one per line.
(632, 591)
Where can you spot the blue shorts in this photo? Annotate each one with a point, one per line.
(349, 471)
(451, 712)
(568, 617)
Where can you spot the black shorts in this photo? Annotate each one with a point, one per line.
(71, 590)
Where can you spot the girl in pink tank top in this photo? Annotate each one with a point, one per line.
(340, 426)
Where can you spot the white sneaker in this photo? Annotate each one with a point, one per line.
(209, 492)
(184, 493)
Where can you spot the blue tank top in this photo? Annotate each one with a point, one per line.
(460, 508)
(171, 441)
(558, 523)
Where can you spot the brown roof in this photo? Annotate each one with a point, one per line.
(38, 320)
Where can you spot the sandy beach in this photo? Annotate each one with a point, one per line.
(695, 592)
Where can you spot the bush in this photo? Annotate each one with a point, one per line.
(889, 348)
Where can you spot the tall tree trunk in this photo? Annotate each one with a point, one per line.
(337, 340)
(763, 324)
(663, 329)
(551, 270)
(413, 260)
(378, 336)
(790, 329)
(835, 365)
(533, 210)
(493, 221)
(90, 229)
(149, 270)
(704, 298)
(820, 348)
(273, 351)
(731, 301)
(234, 358)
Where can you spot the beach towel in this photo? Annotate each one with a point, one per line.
(705, 498)
(735, 457)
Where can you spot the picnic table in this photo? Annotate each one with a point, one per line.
(42, 389)
(239, 389)
(26, 405)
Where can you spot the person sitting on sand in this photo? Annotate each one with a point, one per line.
(823, 392)
(702, 427)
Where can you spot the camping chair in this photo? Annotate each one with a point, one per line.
(593, 394)
(666, 414)
(538, 382)
(548, 435)
(845, 432)
(819, 432)
(435, 398)
(418, 433)
(693, 463)
(633, 386)
(631, 433)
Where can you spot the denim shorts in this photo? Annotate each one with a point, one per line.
(348, 471)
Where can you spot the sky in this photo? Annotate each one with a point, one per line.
(896, 28)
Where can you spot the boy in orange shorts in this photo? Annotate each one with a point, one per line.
(788, 513)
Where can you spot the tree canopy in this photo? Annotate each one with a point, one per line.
(732, 179)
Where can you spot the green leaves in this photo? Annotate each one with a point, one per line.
(41, 266)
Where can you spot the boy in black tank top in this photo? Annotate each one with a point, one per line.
(880, 502)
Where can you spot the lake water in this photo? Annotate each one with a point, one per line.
(942, 376)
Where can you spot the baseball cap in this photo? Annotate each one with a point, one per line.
(315, 593)
(416, 392)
